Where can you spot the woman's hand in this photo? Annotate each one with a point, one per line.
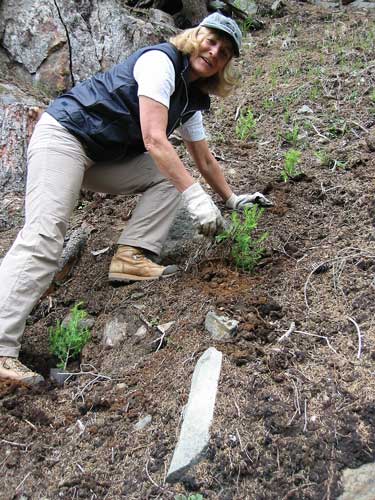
(203, 210)
(239, 202)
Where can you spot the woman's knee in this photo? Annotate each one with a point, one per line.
(43, 239)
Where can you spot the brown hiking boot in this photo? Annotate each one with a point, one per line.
(130, 264)
(11, 368)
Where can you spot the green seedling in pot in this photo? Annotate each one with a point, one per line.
(67, 342)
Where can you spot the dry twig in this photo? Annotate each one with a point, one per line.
(319, 134)
(12, 443)
(320, 337)
(150, 478)
(288, 332)
(23, 480)
(97, 377)
(359, 336)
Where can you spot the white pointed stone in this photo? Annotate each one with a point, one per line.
(198, 415)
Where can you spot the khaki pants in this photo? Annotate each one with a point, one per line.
(57, 169)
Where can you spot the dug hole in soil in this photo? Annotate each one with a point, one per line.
(290, 415)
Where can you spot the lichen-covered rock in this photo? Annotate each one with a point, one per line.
(17, 121)
(31, 32)
(54, 45)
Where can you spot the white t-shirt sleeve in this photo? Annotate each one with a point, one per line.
(155, 75)
(193, 130)
(154, 72)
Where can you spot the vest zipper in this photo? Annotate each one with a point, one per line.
(186, 105)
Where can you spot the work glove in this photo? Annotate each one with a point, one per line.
(203, 210)
(239, 202)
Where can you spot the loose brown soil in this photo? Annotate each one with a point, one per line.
(291, 414)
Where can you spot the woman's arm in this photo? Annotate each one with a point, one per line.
(212, 172)
(154, 120)
(209, 167)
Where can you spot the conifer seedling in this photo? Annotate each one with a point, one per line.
(66, 342)
(246, 250)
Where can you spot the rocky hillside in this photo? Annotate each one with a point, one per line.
(294, 412)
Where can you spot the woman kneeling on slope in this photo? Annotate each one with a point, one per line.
(110, 134)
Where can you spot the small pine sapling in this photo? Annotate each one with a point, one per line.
(291, 136)
(246, 125)
(292, 158)
(246, 250)
(66, 342)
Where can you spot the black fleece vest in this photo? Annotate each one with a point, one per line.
(103, 111)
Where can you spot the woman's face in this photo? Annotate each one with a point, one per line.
(213, 54)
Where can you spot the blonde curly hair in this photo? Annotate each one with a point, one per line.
(188, 42)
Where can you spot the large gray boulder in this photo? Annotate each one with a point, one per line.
(55, 44)
(16, 125)
(32, 34)
(47, 46)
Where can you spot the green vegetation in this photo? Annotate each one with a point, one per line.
(248, 24)
(337, 128)
(291, 136)
(268, 104)
(258, 72)
(315, 92)
(66, 342)
(246, 124)
(372, 96)
(246, 250)
(323, 158)
(292, 158)
(326, 160)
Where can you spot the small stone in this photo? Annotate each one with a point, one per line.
(165, 326)
(58, 375)
(141, 332)
(248, 6)
(359, 484)
(140, 307)
(277, 6)
(220, 327)
(305, 109)
(370, 141)
(114, 332)
(144, 422)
